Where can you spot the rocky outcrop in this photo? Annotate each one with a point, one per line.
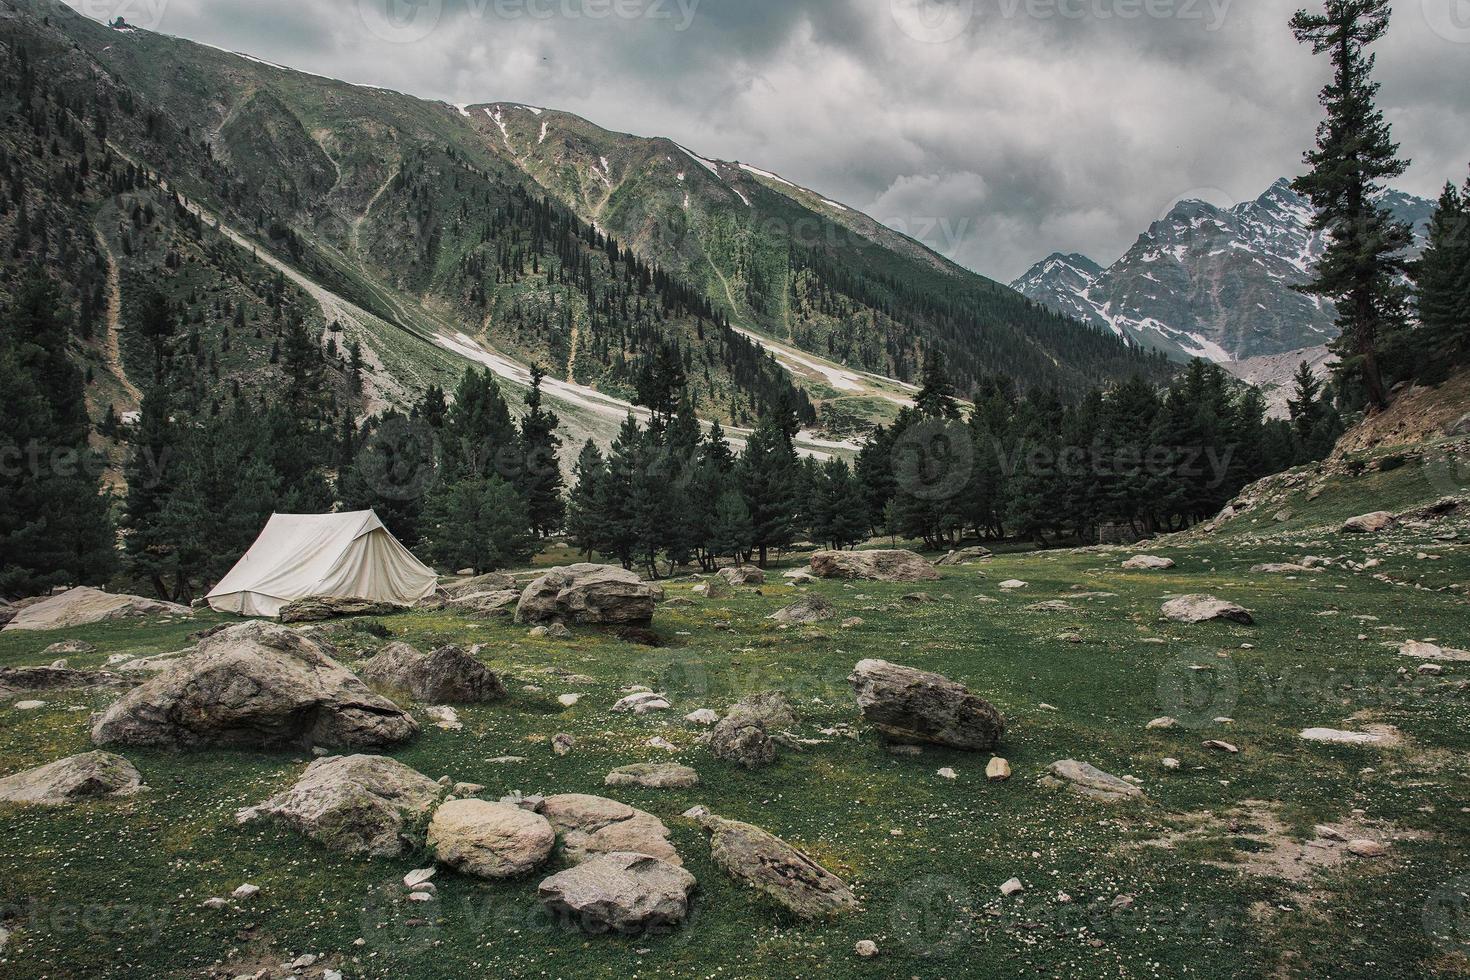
(593, 825)
(15, 680)
(590, 595)
(966, 556)
(80, 777)
(875, 566)
(910, 705)
(84, 606)
(811, 609)
(1205, 608)
(358, 805)
(319, 609)
(446, 676)
(1148, 563)
(485, 603)
(256, 685)
(481, 584)
(490, 840)
(624, 893)
(771, 866)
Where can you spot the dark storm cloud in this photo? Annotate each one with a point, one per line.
(996, 130)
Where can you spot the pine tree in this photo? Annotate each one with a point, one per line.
(1361, 268)
(935, 399)
(480, 523)
(540, 480)
(732, 534)
(839, 517)
(1443, 277)
(768, 479)
(584, 523)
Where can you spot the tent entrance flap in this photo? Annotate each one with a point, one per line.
(337, 556)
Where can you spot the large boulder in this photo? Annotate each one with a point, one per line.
(768, 864)
(1370, 523)
(622, 892)
(591, 595)
(480, 584)
(18, 679)
(359, 805)
(744, 575)
(319, 609)
(84, 606)
(910, 705)
(446, 676)
(966, 556)
(809, 609)
(653, 775)
(256, 685)
(741, 737)
(501, 603)
(1203, 609)
(877, 566)
(593, 825)
(71, 780)
(490, 840)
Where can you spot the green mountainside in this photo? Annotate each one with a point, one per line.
(412, 235)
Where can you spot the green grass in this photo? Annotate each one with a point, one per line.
(112, 889)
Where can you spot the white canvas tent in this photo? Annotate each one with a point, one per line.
(339, 556)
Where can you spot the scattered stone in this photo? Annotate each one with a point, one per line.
(865, 948)
(1330, 736)
(1282, 568)
(1163, 724)
(641, 703)
(593, 825)
(704, 716)
(800, 576)
(30, 705)
(1203, 609)
(490, 840)
(255, 685)
(919, 598)
(357, 805)
(1370, 523)
(68, 648)
(84, 606)
(743, 575)
(715, 588)
(998, 771)
(1012, 585)
(1089, 781)
(72, 780)
(490, 582)
(446, 676)
(810, 609)
(621, 892)
(212, 904)
(743, 737)
(1219, 746)
(1367, 849)
(1012, 887)
(1417, 650)
(653, 775)
(444, 718)
(486, 604)
(563, 743)
(852, 622)
(418, 877)
(762, 861)
(910, 705)
(874, 566)
(14, 680)
(1171, 763)
(1148, 563)
(589, 595)
(659, 742)
(568, 700)
(1431, 670)
(947, 773)
(245, 892)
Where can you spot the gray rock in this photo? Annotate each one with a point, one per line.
(14, 680)
(741, 737)
(480, 584)
(1148, 563)
(1281, 568)
(84, 606)
(1090, 781)
(623, 892)
(809, 609)
(358, 805)
(490, 840)
(446, 676)
(966, 556)
(594, 825)
(1370, 523)
(744, 575)
(1203, 609)
(68, 648)
(653, 775)
(876, 566)
(774, 868)
(714, 588)
(256, 685)
(911, 705)
(501, 603)
(589, 595)
(72, 780)
(318, 609)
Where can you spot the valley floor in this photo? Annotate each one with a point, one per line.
(1225, 871)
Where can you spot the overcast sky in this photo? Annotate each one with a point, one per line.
(996, 130)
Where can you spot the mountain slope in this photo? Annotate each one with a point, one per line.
(1209, 282)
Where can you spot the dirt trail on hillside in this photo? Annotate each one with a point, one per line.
(110, 345)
